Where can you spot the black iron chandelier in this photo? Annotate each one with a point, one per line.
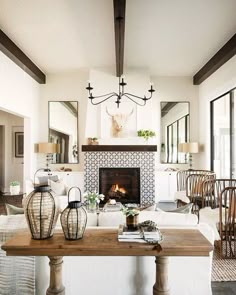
(141, 101)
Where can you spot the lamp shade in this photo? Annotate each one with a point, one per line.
(48, 148)
(189, 147)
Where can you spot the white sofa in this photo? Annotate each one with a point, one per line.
(131, 275)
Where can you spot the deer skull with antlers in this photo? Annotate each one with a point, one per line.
(118, 122)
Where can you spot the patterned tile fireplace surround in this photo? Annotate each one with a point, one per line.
(140, 156)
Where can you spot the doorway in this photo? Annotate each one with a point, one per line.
(11, 150)
(2, 157)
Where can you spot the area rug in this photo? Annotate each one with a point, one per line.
(223, 270)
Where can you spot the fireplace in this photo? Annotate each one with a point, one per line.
(121, 184)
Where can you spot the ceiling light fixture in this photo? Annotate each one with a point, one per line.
(141, 101)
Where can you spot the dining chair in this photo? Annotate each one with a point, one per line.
(182, 175)
(227, 225)
(211, 190)
(194, 189)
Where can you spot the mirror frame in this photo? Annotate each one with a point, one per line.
(54, 160)
(188, 136)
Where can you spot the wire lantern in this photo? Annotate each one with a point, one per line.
(74, 218)
(41, 211)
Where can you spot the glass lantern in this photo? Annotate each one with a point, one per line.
(41, 212)
(74, 218)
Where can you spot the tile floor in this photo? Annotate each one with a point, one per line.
(218, 288)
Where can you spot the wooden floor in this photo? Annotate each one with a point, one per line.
(218, 288)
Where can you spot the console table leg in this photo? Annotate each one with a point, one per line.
(55, 286)
(161, 286)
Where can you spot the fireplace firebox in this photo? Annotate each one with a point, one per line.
(121, 184)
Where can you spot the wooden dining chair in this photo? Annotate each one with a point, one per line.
(194, 189)
(227, 225)
(181, 182)
(183, 174)
(211, 191)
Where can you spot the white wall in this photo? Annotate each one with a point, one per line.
(105, 81)
(175, 89)
(64, 87)
(223, 80)
(147, 117)
(19, 95)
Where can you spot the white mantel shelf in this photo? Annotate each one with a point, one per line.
(119, 148)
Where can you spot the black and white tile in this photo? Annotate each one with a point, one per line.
(143, 160)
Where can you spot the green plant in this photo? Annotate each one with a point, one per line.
(146, 133)
(93, 197)
(130, 211)
(14, 183)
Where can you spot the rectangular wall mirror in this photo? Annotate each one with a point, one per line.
(63, 130)
(174, 130)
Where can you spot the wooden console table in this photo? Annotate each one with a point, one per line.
(177, 242)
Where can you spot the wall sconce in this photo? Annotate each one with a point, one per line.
(49, 149)
(191, 148)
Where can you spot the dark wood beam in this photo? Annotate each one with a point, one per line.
(69, 106)
(167, 108)
(221, 57)
(10, 49)
(119, 22)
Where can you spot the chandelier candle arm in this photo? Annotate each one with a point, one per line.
(141, 101)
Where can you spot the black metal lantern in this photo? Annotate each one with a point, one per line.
(74, 218)
(41, 211)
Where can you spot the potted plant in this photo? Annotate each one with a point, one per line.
(146, 134)
(131, 217)
(93, 199)
(92, 140)
(14, 187)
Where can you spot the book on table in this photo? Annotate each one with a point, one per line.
(140, 236)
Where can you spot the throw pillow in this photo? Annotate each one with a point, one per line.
(58, 187)
(13, 210)
(43, 180)
(186, 209)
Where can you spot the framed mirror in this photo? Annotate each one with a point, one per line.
(174, 130)
(63, 130)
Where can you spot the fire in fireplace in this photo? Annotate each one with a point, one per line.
(121, 184)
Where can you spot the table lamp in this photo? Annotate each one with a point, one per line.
(49, 149)
(191, 148)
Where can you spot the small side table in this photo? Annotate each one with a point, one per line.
(15, 200)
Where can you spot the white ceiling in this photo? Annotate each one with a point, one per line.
(170, 37)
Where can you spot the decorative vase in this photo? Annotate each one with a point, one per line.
(14, 189)
(74, 218)
(92, 206)
(132, 222)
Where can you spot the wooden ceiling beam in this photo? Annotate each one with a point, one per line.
(220, 58)
(9, 48)
(119, 24)
(167, 108)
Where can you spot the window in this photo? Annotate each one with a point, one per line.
(177, 132)
(222, 135)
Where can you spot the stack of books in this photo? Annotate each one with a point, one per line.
(138, 236)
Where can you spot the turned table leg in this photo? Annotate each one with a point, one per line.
(55, 286)
(161, 286)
